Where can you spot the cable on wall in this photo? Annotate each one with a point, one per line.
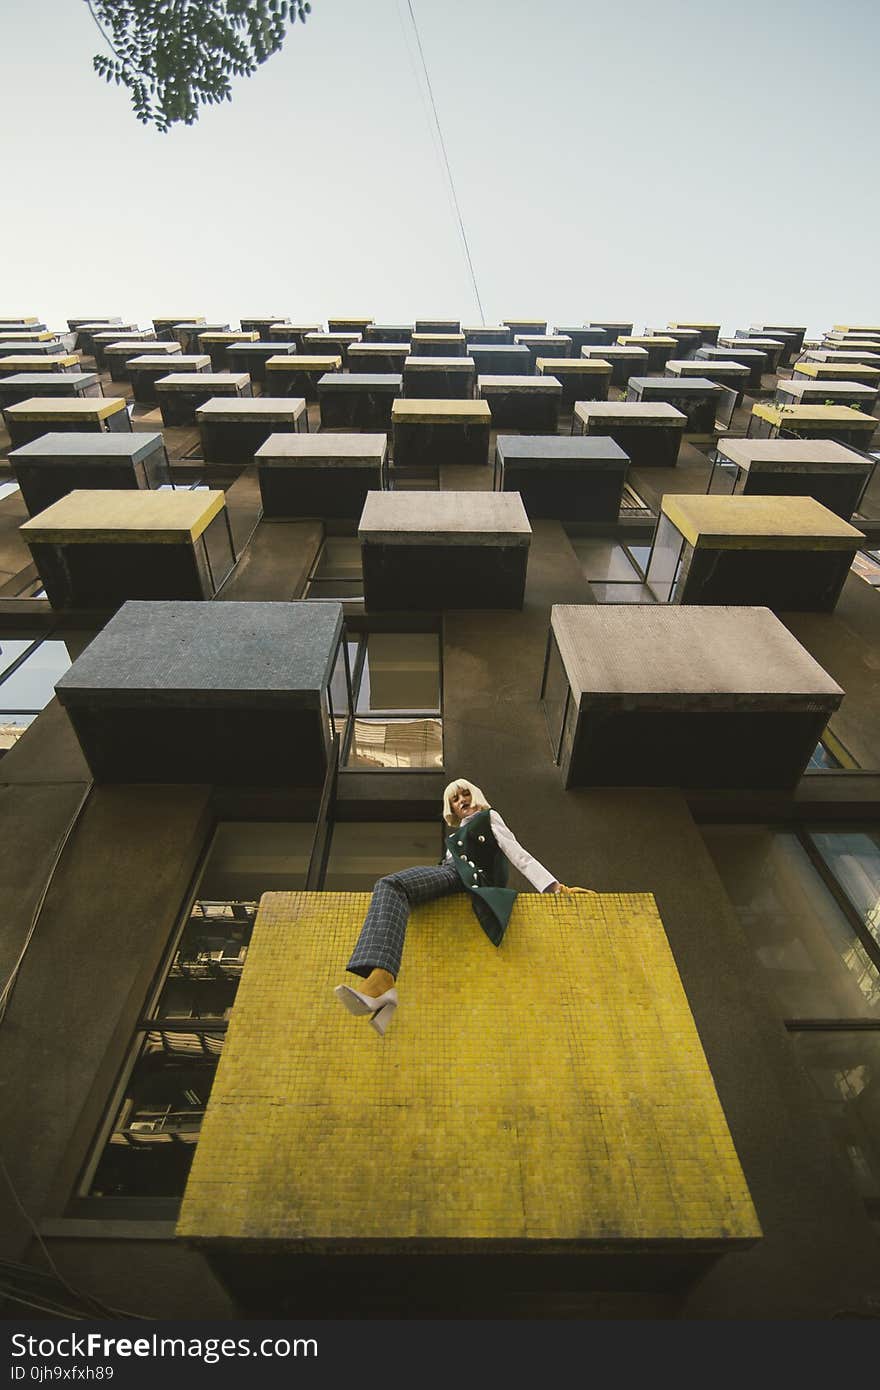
(460, 219)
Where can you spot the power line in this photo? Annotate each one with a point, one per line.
(467, 250)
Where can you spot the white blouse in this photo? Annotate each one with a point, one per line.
(539, 877)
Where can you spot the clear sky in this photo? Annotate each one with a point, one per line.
(684, 160)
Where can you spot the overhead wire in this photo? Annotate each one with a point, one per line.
(88, 1301)
(446, 164)
(12, 978)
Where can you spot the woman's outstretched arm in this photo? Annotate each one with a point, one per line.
(537, 875)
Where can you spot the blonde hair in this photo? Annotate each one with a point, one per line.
(478, 799)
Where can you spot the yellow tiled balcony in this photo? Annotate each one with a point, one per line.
(549, 1095)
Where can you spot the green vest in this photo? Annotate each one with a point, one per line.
(482, 868)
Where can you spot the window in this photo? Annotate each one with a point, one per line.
(867, 564)
(845, 1070)
(815, 959)
(615, 572)
(337, 571)
(822, 759)
(145, 1150)
(363, 851)
(809, 903)
(29, 668)
(830, 755)
(395, 713)
(853, 857)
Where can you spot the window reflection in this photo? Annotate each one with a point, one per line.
(845, 1069)
(157, 1125)
(396, 743)
(814, 959)
(32, 684)
(363, 851)
(401, 671)
(854, 859)
(338, 571)
(29, 668)
(396, 695)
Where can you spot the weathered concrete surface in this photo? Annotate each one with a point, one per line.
(112, 903)
(818, 1254)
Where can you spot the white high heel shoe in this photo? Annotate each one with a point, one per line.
(382, 1017)
(359, 1004)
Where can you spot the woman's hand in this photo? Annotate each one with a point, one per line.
(563, 888)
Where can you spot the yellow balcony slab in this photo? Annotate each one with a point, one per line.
(791, 416)
(66, 408)
(704, 327)
(838, 371)
(47, 362)
(856, 328)
(438, 340)
(588, 1122)
(246, 337)
(758, 523)
(89, 515)
(440, 412)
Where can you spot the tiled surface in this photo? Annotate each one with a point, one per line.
(552, 1090)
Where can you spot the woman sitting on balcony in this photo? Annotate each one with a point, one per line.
(478, 849)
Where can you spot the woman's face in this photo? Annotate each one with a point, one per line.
(460, 802)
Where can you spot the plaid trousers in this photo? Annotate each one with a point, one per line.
(380, 944)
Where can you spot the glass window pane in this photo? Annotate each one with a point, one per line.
(248, 858)
(822, 760)
(156, 1128)
(555, 692)
(854, 859)
(663, 569)
(398, 743)
(32, 685)
(622, 593)
(206, 970)
(866, 565)
(363, 851)
(350, 589)
(845, 1069)
(640, 555)
(604, 560)
(815, 962)
(724, 476)
(338, 683)
(218, 545)
(11, 648)
(401, 671)
(340, 558)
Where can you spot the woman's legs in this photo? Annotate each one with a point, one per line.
(380, 945)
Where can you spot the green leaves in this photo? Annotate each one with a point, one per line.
(175, 56)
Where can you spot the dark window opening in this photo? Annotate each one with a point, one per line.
(145, 1149)
(809, 904)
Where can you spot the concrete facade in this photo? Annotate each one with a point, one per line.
(111, 870)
